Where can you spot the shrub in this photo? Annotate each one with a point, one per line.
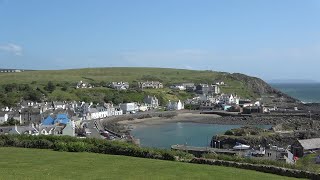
(229, 133)
(77, 147)
(60, 146)
(43, 144)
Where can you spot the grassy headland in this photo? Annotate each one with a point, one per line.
(35, 84)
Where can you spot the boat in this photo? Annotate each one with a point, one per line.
(259, 153)
(240, 146)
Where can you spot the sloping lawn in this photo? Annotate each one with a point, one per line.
(19, 163)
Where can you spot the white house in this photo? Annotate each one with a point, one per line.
(119, 85)
(82, 84)
(179, 87)
(3, 117)
(215, 89)
(46, 130)
(103, 112)
(175, 105)
(6, 109)
(129, 107)
(151, 101)
(220, 83)
(69, 129)
(59, 105)
(143, 107)
(229, 99)
(150, 84)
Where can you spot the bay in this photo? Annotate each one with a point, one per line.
(192, 134)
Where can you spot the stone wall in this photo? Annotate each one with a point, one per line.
(261, 168)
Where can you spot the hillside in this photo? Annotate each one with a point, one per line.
(244, 86)
(19, 163)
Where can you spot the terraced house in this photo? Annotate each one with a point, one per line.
(150, 84)
(119, 85)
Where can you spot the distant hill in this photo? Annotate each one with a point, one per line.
(243, 85)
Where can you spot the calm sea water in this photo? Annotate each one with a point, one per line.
(194, 134)
(304, 92)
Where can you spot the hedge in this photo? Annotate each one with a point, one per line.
(72, 144)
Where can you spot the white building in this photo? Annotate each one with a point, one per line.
(103, 112)
(178, 87)
(151, 101)
(119, 85)
(220, 83)
(228, 99)
(129, 107)
(69, 129)
(82, 84)
(215, 89)
(3, 117)
(175, 105)
(150, 84)
(143, 108)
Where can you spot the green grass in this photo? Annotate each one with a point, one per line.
(19, 163)
(308, 162)
(96, 75)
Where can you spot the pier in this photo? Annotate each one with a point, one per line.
(198, 151)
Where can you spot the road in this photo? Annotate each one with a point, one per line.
(94, 127)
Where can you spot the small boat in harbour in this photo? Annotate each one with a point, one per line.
(240, 146)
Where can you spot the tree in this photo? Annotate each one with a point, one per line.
(12, 122)
(33, 95)
(50, 87)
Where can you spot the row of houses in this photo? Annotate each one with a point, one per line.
(124, 85)
(52, 125)
(210, 100)
(141, 85)
(191, 87)
(199, 89)
(11, 70)
(31, 112)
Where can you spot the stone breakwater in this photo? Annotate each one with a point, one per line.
(261, 168)
(285, 130)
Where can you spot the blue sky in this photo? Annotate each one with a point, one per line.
(271, 39)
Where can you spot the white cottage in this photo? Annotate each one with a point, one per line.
(175, 105)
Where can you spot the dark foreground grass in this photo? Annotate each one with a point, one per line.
(20, 163)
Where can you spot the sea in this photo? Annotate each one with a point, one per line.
(307, 92)
(196, 134)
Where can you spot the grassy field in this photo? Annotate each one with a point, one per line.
(96, 75)
(110, 74)
(19, 163)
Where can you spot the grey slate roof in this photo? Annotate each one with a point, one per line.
(309, 144)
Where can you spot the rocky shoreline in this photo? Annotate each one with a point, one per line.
(285, 131)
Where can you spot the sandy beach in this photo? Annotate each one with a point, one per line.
(181, 117)
(196, 118)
